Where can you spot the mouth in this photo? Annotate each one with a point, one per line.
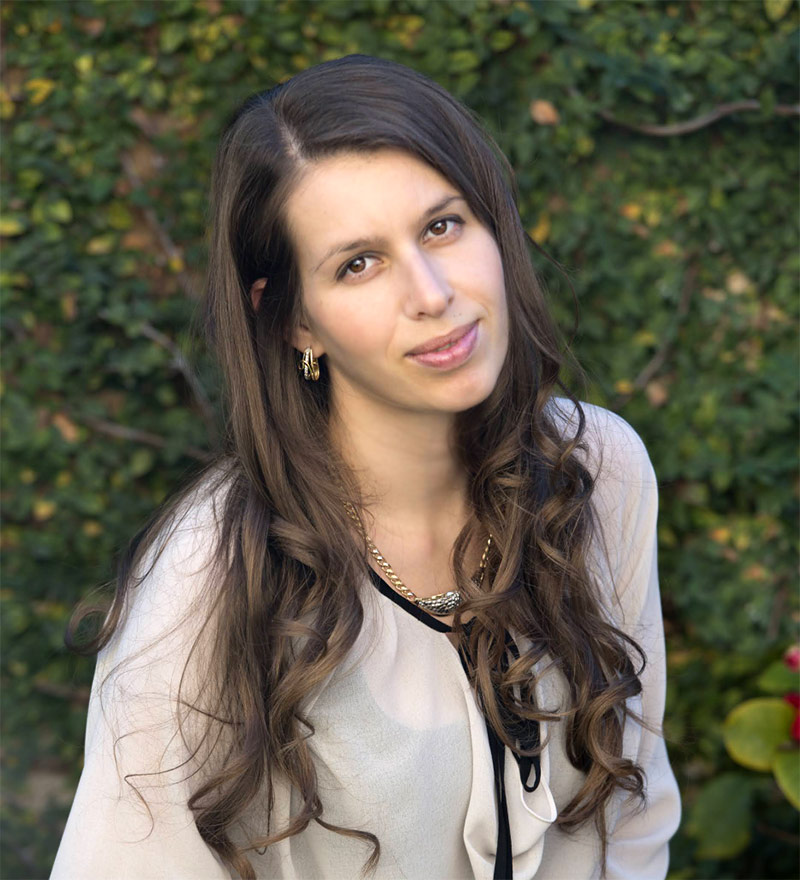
(442, 343)
(450, 356)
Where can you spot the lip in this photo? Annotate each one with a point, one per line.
(451, 357)
(439, 341)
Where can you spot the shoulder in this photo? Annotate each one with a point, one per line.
(613, 452)
(624, 501)
(623, 549)
(169, 594)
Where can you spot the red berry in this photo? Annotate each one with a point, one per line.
(792, 658)
(796, 728)
(793, 699)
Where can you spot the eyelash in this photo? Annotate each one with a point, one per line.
(344, 269)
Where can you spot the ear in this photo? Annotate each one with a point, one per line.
(301, 338)
(256, 290)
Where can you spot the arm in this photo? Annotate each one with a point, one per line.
(628, 503)
(132, 729)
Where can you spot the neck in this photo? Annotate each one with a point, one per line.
(407, 470)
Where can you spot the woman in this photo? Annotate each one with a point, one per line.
(409, 624)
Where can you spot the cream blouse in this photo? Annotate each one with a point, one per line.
(400, 746)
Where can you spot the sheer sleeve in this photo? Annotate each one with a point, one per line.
(627, 506)
(624, 559)
(129, 819)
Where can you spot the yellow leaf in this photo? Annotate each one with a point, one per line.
(230, 24)
(63, 479)
(624, 386)
(6, 103)
(741, 542)
(631, 211)
(15, 279)
(776, 9)
(738, 283)
(64, 146)
(69, 306)
(652, 217)
(43, 509)
(176, 263)
(119, 217)
(755, 572)
(544, 113)
(9, 538)
(27, 475)
(66, 427)
(100, 244)
(657, 393)
(541, 230)
(84, 63)
(666, 248)
(60, 211)
(645, 338)
(11, 226)
(40, 88)
(92, 528)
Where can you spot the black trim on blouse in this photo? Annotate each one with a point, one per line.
(405, 604)
(528, 732)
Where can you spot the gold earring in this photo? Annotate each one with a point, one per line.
(309, 365)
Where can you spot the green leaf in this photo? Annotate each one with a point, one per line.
(786, 767)
(60, 211)
(171, 36)
(754, 730)
(142, 461)
(778, 679)
(776, 9)
(463, 60)
(499, 41)
(720, 817)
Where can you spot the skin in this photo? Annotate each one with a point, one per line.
(393, 417)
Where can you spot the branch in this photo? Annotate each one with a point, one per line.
(182, 365)
(167, 244)
(690, 125)
(657, 360)
(778, 834)
(112, 429)
(63, 691)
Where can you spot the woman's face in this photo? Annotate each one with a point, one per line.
(390, 256)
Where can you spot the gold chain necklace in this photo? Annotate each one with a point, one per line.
(441, 604)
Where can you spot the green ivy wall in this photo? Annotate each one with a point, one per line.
(655, 145)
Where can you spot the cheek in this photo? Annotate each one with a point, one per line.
(355, 326)
(485, 272)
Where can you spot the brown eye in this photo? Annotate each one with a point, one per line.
(356, 266)
(442, 224)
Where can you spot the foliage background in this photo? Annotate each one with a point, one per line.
(680, 238)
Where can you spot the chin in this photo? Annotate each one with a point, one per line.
(472, 394)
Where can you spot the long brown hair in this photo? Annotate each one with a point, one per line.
(284, 597)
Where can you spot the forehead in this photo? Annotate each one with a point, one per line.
(353, 194)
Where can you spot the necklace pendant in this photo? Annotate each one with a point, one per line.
(441, 605)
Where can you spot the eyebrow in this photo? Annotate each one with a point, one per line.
(381, 242)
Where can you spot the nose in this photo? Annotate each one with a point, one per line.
(428, 288)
